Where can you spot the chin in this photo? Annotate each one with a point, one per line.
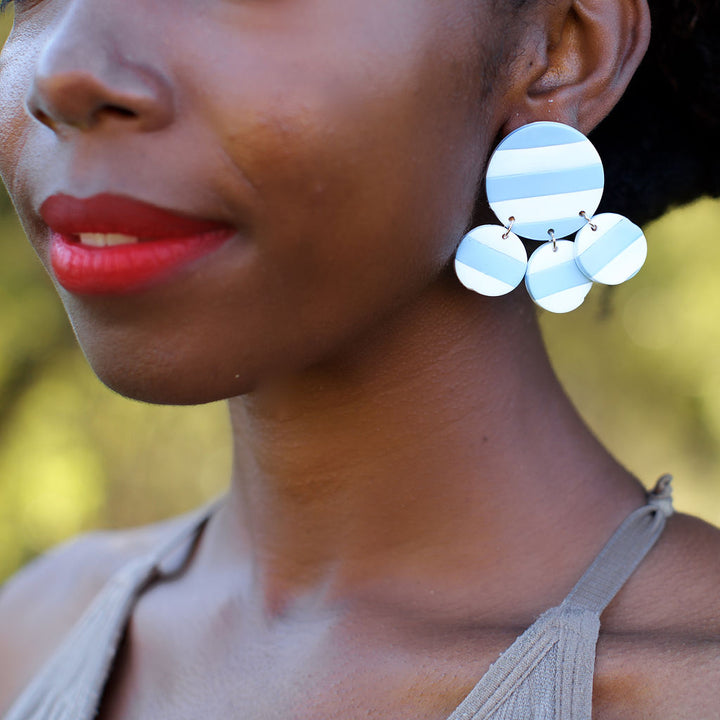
(160, 358)
(162, 378)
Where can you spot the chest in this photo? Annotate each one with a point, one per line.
(337, 677)
(333, 677)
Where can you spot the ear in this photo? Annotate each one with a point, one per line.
(581, 57)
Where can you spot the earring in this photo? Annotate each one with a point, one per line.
(544, 182)
(610, 249)
(491, 260)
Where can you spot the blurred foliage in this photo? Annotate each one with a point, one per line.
(641, 361)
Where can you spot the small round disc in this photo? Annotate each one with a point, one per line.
(489, 263)
(554, 280)
(614, 252)
(544, 174)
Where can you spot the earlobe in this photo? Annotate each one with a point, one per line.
(586, 56)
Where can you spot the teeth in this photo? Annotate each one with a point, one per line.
(106, 239)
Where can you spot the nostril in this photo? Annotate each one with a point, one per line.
(44, 118)
(78, 120)
(119, 111)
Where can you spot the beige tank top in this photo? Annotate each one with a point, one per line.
(546, 674)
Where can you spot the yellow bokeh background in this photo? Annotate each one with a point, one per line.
(642, 362)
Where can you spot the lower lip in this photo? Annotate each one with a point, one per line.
(120, 269)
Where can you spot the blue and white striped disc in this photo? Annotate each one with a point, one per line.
(544, 175)
(554, 280)
(489, 263)
(614, 252)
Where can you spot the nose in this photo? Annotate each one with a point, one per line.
(83, 79)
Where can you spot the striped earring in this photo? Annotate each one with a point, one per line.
(544, 182)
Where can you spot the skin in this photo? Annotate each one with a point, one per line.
(406, 464)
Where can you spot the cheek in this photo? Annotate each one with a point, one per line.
(364, 150)
(24, 161)
(16, 69)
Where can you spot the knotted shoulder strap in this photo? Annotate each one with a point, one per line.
(547, 673)
(625, 550)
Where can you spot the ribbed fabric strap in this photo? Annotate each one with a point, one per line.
(547, 673)
(70, 685)
(623, 552)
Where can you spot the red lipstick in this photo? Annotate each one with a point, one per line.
(110, 244)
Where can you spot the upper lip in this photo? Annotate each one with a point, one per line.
(119, 214)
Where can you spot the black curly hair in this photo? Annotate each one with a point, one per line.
(661, 144)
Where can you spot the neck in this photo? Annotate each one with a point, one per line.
(439, 440)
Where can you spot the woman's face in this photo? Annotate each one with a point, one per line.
(338, 144)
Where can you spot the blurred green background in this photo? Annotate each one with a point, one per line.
(642, 362)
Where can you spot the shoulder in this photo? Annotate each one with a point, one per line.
(40, 604)
(659, 648)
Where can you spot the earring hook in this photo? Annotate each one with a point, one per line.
(509, 227)
(551, 233)
(593, 227)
